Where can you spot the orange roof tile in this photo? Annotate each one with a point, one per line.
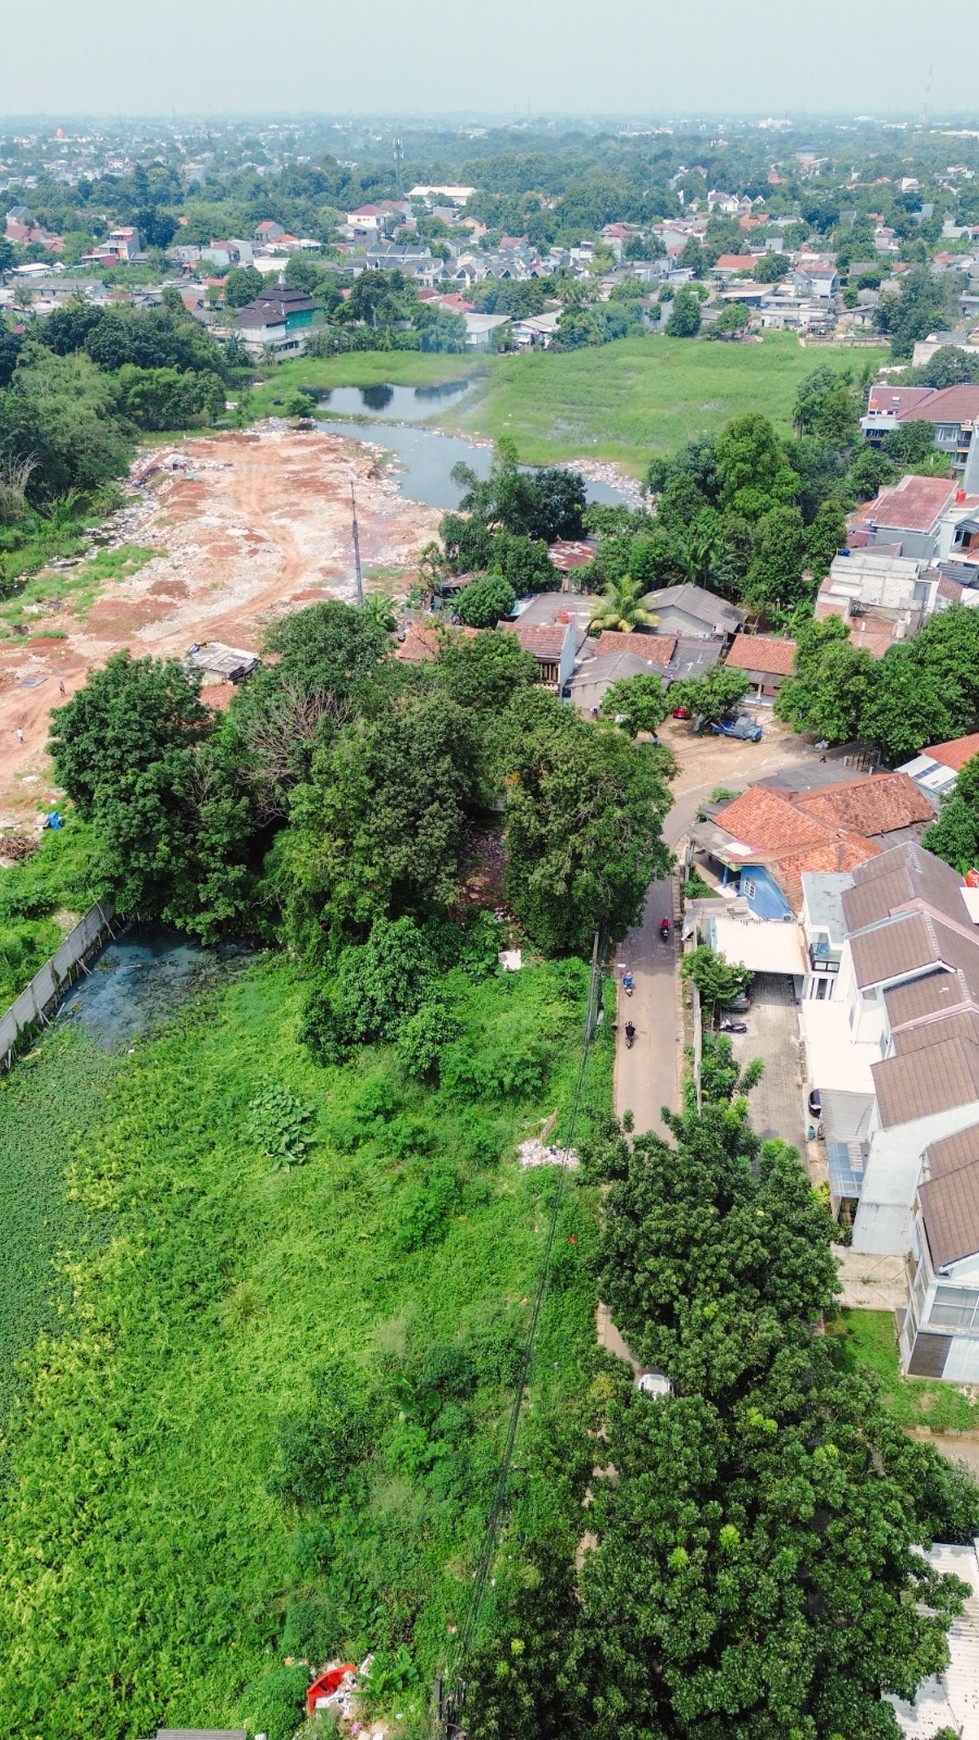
(761, 652)
(657, 648)
(956, 752)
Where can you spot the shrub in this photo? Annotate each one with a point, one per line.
(281, 1124)
(425, 1206)
(422, 1037)
(275, 1702)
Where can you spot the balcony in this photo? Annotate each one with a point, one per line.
(823, 959)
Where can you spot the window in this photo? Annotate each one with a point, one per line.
(748, 888)
(955, 1308)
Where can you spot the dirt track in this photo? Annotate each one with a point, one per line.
(252, 525)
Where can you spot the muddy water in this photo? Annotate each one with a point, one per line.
(144, 978)
(422, 459)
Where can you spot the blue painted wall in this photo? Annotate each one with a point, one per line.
(763, 895)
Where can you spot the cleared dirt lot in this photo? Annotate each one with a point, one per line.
(250, 525)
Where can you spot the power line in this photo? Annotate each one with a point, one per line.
(450, 1702)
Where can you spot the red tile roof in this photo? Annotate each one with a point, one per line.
(544, 640)
(959, 404)
(657, 649)
(735, 262)
(424, 641)
(878, 805)
(913, 505)
(821, 831)
(761, 652)
(956, 752)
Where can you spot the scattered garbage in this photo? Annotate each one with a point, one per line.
(511, 960)
(538, 1153)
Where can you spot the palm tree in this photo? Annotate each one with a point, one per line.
(621, 607)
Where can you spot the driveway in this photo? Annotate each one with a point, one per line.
(778, 1102)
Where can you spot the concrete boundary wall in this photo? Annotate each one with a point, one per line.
(49, 985)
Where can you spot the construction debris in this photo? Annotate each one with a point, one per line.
(537, 1153)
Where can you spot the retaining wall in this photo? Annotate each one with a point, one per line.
(49, 985)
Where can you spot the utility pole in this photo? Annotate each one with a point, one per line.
(357, 569)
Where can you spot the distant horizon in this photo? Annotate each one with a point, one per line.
(507, 117)
(609, 58)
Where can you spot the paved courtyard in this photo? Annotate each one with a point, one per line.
(778, 1103)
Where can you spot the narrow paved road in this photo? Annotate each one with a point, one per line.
(646, 1076)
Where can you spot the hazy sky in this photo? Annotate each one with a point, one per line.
(111, 57)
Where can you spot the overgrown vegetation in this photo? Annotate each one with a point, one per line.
(273, 1411)
(40, 899)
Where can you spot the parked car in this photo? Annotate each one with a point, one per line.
(815, 1104)
(741, 1001)
(742, 727)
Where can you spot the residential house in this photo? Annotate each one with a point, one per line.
(936, 769)
(599, 670)
(692, 611)
(121, 246)
(424, 641)
(882, 598)
(906, 1013)
(952, 412)
(370, 220)
(481, 327)
(228, 253)
(554, 646)
(949, 1702)
(277, 320)
(729, 265)
(765, 659)
(906, 518)
(536, 331)
(267, 233)
(765, 840)
(450, 193)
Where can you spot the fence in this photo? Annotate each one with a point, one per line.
(49, 985)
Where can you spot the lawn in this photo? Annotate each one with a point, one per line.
(269, 1421)
(628, 400)
(871, 1338)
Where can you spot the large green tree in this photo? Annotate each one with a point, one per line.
(584, 812)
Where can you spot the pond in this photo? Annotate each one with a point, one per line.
(384, 403)
(143, 978)
(424, 457)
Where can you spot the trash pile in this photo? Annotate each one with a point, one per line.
(538, 1153)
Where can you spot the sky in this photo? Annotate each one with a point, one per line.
(63, 58)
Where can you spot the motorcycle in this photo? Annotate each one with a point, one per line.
(727, 1026)
(627, 984)
(664, 930)
(630, 1035)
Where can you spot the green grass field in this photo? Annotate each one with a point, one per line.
(624, 401)
(871, 1338)
(269, 1418)
(637, 397)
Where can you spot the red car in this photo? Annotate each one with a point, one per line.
(681, 713)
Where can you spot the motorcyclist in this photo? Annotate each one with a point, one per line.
(664, 928)
(630, 1032)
